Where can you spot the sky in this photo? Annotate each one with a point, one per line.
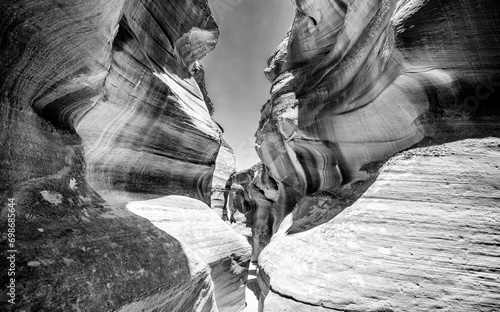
(250, 31)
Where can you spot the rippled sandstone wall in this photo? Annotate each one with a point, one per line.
(423, 237)
(250, 195)
(225, 166)
(353, 83)
(98, 107)
(196, 225)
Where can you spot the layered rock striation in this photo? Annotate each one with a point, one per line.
(353, 83)
(249, 198)
(99, 105)
(167, 117)
(194, 224)
(225, 166)
(422, 237)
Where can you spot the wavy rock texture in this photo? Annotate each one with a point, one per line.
(225, 166)
(250, 195)
(121, 80)
(98, 100)
(157, 139)
(212, 240)
(423, 237)
(353, 83)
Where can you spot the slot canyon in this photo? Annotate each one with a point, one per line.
(377, 189)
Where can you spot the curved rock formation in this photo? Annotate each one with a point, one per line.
(251, 194)
(196, 225)
(156, 138)
(353, 83)
(98, 101)
(225, 166)
(117, 74)
(423, 237)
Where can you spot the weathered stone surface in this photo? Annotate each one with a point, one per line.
(157, 137)
(423, 237)
(251, 196)
(199, 76)
(353, 83)
(97, 100)
(225, 166)
(77, 253)
(195, 224)
(118, 74)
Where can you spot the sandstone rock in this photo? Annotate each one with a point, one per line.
(225, 166)
(353, 83)
(81, 254)
(421, 238)
(196, 225)
(252, 194)
(199, 76)
(97, 100)
(121, 81)
(157, 137)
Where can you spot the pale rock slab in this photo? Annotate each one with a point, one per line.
(225, 166)
(421, 238)
(197, 226)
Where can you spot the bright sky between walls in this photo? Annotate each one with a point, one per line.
(250, 31)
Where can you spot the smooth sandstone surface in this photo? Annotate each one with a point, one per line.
(100, 105)
(353, 83)
(116, 75)
(424, 237)
(149, 133)
(250, 195)
(201, 229)
(225, 166)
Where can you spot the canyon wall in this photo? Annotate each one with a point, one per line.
(423, 237)
(249, 198)
(225, 166)
(99, 106)
(353, 83)
(196, 225)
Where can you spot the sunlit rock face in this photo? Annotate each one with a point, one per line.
(121, 80)
(212, 240)
(421, 238)
(149, 133)
(225, 165)
(353, 83)
(98, 101)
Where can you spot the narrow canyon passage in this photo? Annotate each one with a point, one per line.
(230, 155)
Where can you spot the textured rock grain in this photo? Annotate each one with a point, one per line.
(354, 82)
(196, 225)
(225, 166)
(423, 237)
(98, 100)
(250, 195)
